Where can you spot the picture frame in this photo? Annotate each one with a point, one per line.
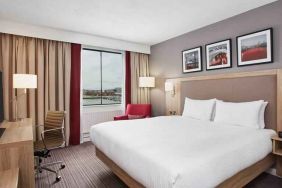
(192, 60)
(255, 48)
(219, 55)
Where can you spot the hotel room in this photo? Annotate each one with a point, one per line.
(132, 93)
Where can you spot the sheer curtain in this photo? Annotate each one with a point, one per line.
(51, 62)
(139, 67)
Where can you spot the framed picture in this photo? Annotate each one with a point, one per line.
(192, 60)
(218, 55)
(255, 48)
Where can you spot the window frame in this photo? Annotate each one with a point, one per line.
(101, 78)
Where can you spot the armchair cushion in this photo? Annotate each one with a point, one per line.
(123, 117)
(136, 116)
(135, 111)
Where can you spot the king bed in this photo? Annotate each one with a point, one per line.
(180, 151)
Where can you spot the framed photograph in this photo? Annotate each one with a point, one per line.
(192, 60)
(255, 48)
(218, 55)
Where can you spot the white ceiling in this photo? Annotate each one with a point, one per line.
(142, 21)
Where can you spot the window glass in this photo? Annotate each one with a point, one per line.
(102, 77)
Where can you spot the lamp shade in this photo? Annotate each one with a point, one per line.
(169, 86)
(24, 81)
(146, 81)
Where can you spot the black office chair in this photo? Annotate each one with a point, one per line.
(53, 137)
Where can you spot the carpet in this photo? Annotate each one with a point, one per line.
(85, 170)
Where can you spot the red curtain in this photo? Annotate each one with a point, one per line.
(127, 79)
(75, 94)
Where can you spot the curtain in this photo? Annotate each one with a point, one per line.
(139, 67)
(75, 94)
(51, 62)
(127, 79)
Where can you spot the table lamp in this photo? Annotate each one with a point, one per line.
(23, 81)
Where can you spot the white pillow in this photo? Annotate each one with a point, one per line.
(243, 114)
(198, 109)
(261, 115)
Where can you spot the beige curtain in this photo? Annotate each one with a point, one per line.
(51, 62)
(139, 67)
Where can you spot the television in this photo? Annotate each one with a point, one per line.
(1, 99)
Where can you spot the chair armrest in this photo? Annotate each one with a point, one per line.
(49, 130)
(124, 117)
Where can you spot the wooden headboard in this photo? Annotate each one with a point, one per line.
(233, 87)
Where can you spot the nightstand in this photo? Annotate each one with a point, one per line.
(277, 150)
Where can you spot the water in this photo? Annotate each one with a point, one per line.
(97, 101)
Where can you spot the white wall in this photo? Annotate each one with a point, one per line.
(69, 36)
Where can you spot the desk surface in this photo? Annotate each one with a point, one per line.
(16, 132)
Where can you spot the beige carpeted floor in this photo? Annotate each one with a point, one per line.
(85, 170)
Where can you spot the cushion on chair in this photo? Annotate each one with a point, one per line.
(50, 144)
(135, 111)
(136, 116)
(123, 117)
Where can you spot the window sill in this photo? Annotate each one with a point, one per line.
(103, 108)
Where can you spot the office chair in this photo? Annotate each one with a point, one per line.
(53, 137)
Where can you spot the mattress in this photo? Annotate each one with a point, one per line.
(176, 151)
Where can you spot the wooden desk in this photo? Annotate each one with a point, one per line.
(9, 178)
(16, 151)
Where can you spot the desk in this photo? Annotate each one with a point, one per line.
(9, 178)
(16, 151)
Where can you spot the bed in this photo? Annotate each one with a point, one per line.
(176, 151)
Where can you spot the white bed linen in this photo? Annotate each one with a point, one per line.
(175, 151)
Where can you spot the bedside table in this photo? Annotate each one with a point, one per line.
(277, 150)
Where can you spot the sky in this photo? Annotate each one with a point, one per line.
(254, 40)
(112, 67)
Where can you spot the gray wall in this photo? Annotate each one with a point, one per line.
(166, 57)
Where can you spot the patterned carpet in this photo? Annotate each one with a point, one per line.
(84, 170)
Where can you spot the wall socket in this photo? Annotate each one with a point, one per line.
(172, 113)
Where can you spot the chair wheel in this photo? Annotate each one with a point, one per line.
(40, 171)
(63, 166)
(58, 178)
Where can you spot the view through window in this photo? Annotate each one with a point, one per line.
(102, 77)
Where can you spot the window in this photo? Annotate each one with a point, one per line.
(102, 77)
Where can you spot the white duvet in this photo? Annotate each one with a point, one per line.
(175, 151)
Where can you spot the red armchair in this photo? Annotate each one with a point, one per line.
(135, 111)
